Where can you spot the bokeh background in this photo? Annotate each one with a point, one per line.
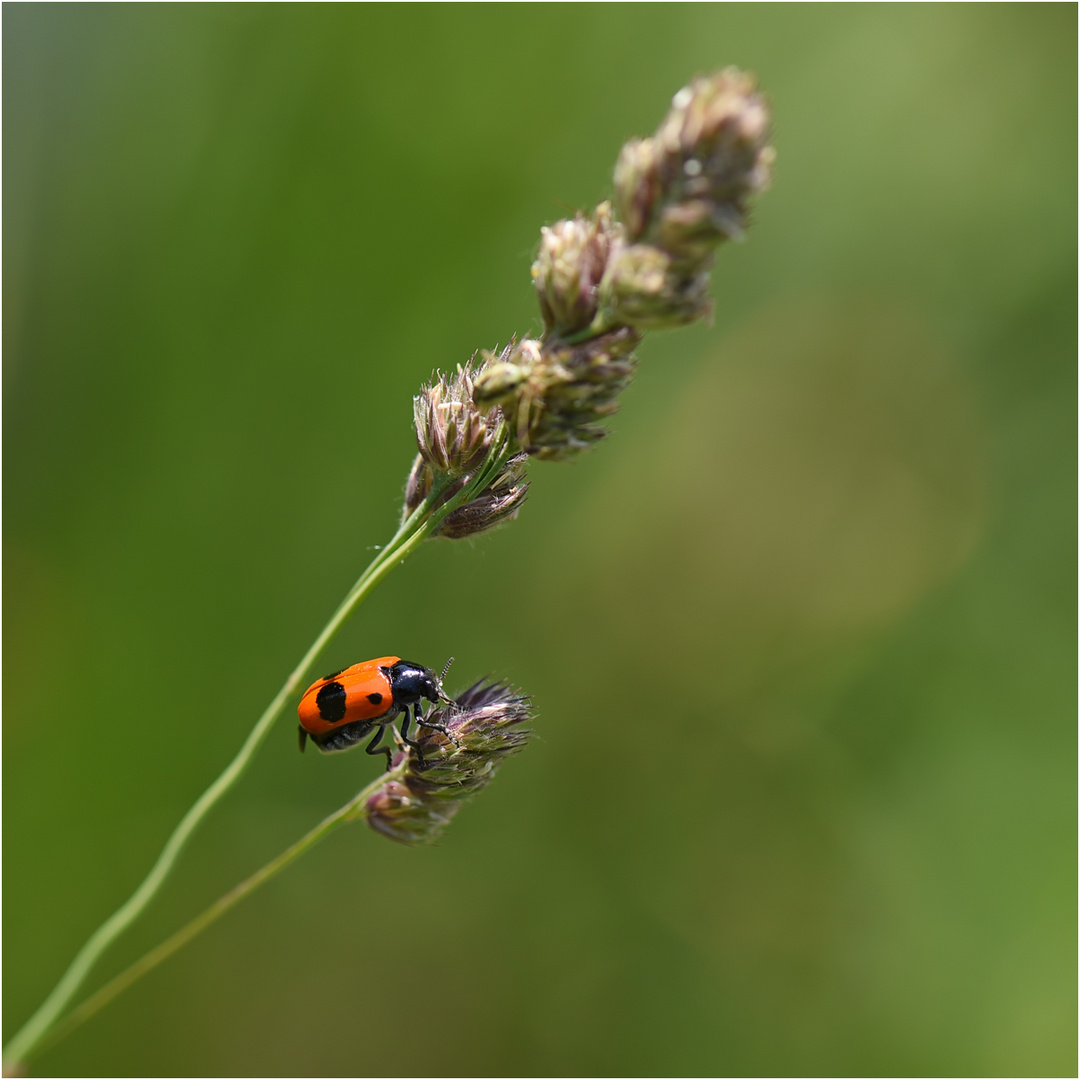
(800, 633)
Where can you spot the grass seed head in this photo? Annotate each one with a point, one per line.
(452, 433)
(648, 288)
(495, 505)
(568, 269)
(484, 728)
(558, 393)
(690, 185)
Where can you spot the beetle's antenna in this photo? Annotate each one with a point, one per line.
(445, 669)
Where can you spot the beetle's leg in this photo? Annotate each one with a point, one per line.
(405, 736)
(303, 739)
(421, 722)
(439, 728)
(370, 748)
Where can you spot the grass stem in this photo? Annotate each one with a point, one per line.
(420, 524)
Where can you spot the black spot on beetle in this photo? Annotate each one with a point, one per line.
(375, 699)
(331, 702)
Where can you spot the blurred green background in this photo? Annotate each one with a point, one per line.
(800, 634)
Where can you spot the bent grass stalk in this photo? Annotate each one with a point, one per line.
(119, 983)
(420, 524)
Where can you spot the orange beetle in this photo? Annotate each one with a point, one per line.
(340, 710)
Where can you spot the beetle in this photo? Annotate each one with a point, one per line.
(340, 710)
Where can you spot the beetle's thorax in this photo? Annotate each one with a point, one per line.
(411, 682)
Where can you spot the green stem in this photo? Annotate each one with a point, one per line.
(100, 998)
(414, 529)
(601, 324)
